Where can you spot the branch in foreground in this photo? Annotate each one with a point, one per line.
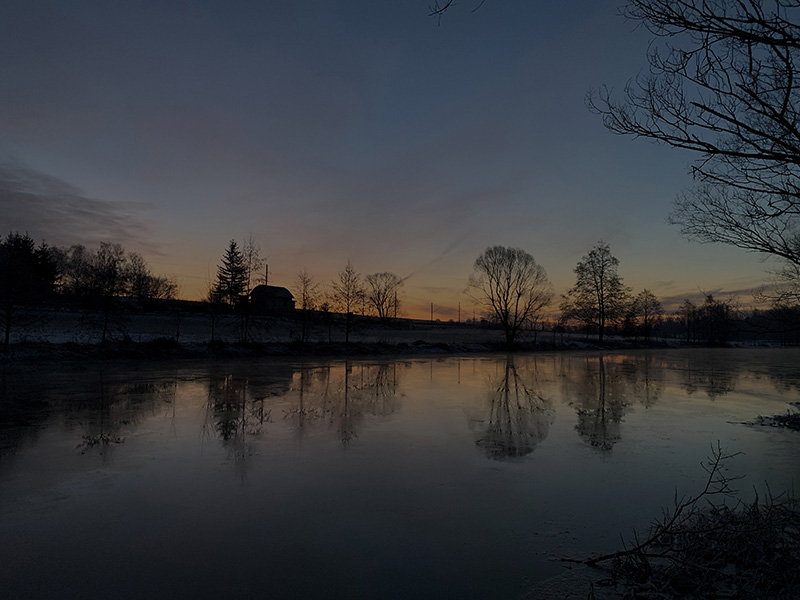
(708, 549)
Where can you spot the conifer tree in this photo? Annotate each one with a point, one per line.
(232, 275)
(27, 274)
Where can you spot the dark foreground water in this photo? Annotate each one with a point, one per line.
(425, 478)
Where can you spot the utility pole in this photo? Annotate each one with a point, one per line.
(459, 313)
(266, 273)
(431, 312)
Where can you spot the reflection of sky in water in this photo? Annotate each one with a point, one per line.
(448, 477)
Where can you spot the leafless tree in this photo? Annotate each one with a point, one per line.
(784, 289)
(688, 313)
(326, 304)
(381, 293)
(109, 270)
(511, 285)
(143, 284)
(598, 296)
(647, 307)
(75, 270)
(252, 262)
(437, 9)
(214, 303)
(723, 82)
(347, 292)
(307, 292)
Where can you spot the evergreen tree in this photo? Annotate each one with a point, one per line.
(232, 275)
(27, 274)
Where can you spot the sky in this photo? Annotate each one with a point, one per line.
(336, 130)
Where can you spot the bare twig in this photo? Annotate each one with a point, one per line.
(709, 549)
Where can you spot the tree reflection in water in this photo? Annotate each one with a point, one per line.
(645, 375)
(341, 395)
(709, 373)
(599, 399)
(105, 412)
(332, 395)
(236, 414)
(519, 417)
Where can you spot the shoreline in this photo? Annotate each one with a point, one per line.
(168, 349)
(48, 336)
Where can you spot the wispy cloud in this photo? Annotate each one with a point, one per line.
(672, 303)
(51, 209)
(453, 245)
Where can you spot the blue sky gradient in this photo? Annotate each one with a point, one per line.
(335, 130)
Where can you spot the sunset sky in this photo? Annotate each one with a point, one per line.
(335, 130)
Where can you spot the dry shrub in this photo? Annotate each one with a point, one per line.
(713, 546)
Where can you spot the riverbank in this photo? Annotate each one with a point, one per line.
(161, 348)
(76, 335)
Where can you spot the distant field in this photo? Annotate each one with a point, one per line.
(85, 328)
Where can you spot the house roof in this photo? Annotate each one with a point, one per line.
(271, 290)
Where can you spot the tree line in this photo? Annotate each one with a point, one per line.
(509, 286)
(722, 81)
(90, 278)
(515, 293)
(349, 293)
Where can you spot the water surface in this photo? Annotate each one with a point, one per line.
(434, 477)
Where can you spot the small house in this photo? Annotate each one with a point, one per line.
(270, 299)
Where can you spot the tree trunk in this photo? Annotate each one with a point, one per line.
(7, 332)
(106, 318)
(509, 337)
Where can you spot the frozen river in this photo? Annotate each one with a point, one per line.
(435, 477)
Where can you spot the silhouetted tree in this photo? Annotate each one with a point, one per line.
(688, 313)
(783, 319)
(347, 292)
(723, 82)
(438, 8)
(598, 297)
(716, 320)
(252, 263)
(325, 307)
(76, 271)
(109, 279)
(784, 289)
(382, 289)
(232, 276)
(647, 308)
(306, 291)
(512, 286)
(145, 286)
(214, 304)
(27, 274)
(97, 278)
